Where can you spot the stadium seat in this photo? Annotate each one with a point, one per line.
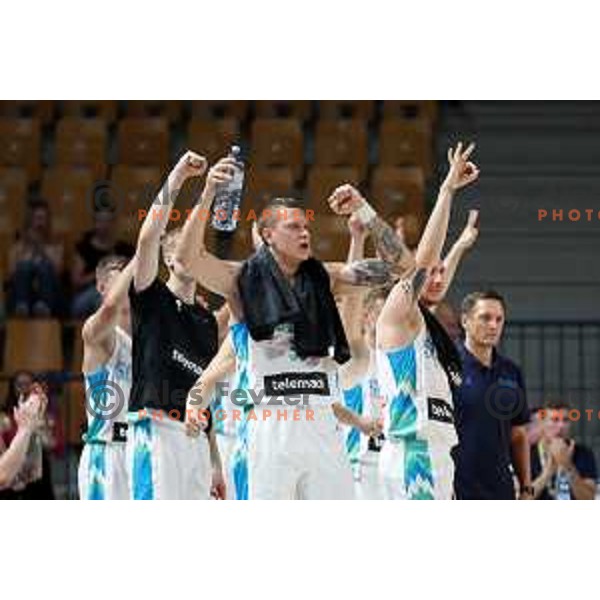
(170, 109)
(13, 199)
(283, 109)
(323, 180)
(97, 109)
(342, 143)
(346, 109)
(262, 184)
(20, 145)
(398, 189)
(33, 344)
(43, 110)
(69, 193)
(212, 138)
(405, 143)
(220, 109)
(132, 189)
(329, 237)
(143, 142)
(82, 143)
(278, 143)
(411, 109)
(72, 412)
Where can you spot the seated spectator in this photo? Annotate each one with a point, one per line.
(35, 263)
(89, 251)
(28, 417)
(33, 481)
(561, 469)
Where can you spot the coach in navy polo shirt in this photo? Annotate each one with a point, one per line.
(490, 409)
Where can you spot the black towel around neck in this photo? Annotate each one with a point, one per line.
(445, 349)
(268, 299)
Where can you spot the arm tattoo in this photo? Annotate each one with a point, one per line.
(388, 244)
(369, 272)
(418, 283)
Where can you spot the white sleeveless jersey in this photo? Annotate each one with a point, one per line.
(274, 367)
(418, 418)
(107, 394)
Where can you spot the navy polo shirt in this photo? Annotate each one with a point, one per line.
(487, 405)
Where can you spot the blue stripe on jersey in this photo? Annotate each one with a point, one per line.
(353, 399)
(142, 475)
(239, 462)
(97, 472)
(97, 400)
(402, 409)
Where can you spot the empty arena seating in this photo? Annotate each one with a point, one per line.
(399, 189)
(277, 143)
(100, 109)
(283, 109)
(33, 344)
(212, 137)
(43, 110)
(220, 109)
(70, 195)
(405, 143)
(347, 109)
(323, 180)
(342, 143)
(13, 198)
(265, 183)
(410, 109)
(170, 109)
(82, 143)
(20, 145)
(143, 141)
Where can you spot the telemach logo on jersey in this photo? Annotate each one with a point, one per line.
(287, 384)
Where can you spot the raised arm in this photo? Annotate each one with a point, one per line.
(100, 325)
(347, 200)
(460, 174)
(157, 218)
(465, 242)
(400, 318)
(209, 271)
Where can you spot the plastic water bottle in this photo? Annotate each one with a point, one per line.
(563, 487)
(229, 196)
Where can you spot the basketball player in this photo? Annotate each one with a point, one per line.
(417, 364)
(361, 388)
(107, 373)
(282, 297)
(174, 339)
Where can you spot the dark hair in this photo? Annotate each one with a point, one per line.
(12, 398)
(471, 300)
(275, 203)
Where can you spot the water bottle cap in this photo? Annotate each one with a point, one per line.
(235, 151)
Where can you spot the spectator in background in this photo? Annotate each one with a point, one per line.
(33, 481)
(28, 416)
(95, 244)
(561, 468)
(35, 265)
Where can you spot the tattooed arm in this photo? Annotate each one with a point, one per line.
(346, 200)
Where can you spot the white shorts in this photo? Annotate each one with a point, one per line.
(102, 473)
(227, 444)
(367, 483)
(414, 470)
(165, 463)
(300, 459)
